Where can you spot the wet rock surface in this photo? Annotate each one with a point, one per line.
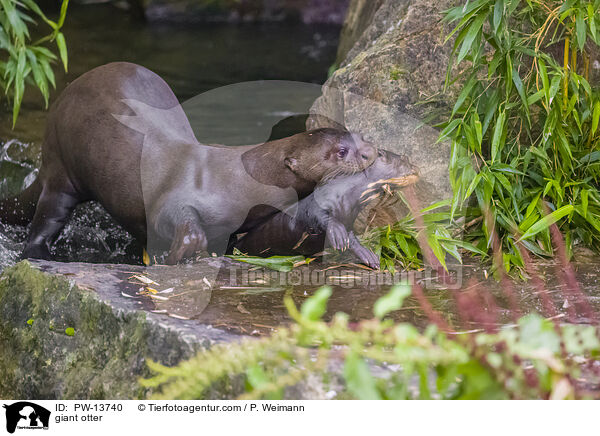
(72, 330)
(61, 340)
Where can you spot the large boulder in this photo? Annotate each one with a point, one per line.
(85, 338)
(390, 84)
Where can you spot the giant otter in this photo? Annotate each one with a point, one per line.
(117, 135)
(327, 214)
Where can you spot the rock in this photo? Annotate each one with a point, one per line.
(59, 340)
(390, 85)
(306, 11)
(80, 330)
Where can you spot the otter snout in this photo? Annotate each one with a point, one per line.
(393, 168)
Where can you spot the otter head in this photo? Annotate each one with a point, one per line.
(328, 153)
(391, 169)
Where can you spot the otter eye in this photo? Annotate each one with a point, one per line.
(343, 152)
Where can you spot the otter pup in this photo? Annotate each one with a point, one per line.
(327, 214)
(117, 135)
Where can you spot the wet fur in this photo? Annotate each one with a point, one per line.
(327, 215)
(90, 152)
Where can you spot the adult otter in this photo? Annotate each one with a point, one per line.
(327, 214)
(117, 135)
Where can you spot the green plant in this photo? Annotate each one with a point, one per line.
(22, 61)
(401, 243)
(524, 128)
(277, 263)
(534, 358)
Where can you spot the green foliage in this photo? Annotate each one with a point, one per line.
(392, 301)
(524, 129)
(520, 361)
(403, 242)
(277, 263)
(23, 62)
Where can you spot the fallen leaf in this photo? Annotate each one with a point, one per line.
(242, 309)
(144, 279)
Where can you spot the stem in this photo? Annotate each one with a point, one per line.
(586, 75)
(566, 79)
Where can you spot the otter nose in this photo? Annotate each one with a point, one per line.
(367, 152)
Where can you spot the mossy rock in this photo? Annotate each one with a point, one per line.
(58, 341)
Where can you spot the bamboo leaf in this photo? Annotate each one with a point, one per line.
(592, 157)
(533, 205)
(474, 29)
(545, 82)
(448, 129)
(437, 249)
(592, 22)
(35, 8)
(38, 76)
(520, 90)
(595, 117)
(464, 93)
(498, 13)
(581, 30)
(62, 49)
(498, 130)
(547, 221)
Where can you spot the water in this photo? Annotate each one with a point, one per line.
(192, 59)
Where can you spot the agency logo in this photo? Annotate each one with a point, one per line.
(26, 415)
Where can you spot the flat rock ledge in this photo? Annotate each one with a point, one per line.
(67, 331)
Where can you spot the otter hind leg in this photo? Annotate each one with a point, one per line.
(52, 212)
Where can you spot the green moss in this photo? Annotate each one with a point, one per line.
(78, 347)
(396, 73)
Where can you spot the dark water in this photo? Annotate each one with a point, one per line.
(192, 59)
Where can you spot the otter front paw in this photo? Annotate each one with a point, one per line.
(338, 235)
(367, 257)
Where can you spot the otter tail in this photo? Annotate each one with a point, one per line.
(20, 210)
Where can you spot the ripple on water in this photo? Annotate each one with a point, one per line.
(11, 244)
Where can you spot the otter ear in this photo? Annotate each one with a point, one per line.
(291, 163)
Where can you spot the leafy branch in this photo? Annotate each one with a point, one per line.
(22, 61)
(533, 358)
(524, 127)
